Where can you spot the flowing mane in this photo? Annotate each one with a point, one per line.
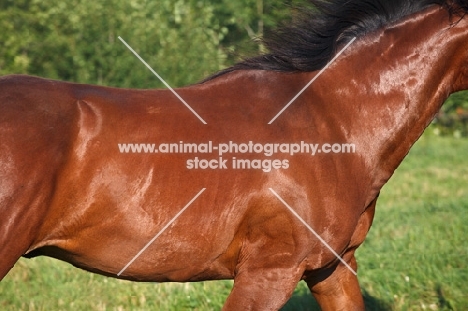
(312, 39)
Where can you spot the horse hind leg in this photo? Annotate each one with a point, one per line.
(31, 154)
(23, 206)
(12, 242)
(16, 232)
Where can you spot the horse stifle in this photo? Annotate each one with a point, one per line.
(68, 191)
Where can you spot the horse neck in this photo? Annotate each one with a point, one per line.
(402, 77)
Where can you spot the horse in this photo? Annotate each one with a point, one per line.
(233, 197)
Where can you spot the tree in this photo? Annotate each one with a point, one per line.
(78, 41)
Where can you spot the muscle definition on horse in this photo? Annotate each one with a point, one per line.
(67, 192)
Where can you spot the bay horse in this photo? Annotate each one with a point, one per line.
(67, 191)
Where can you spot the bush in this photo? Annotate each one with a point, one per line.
(453, 117)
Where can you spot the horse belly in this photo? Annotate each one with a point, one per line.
(120, 251)
(102, 228)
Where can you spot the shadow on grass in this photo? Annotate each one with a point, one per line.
(303, 301)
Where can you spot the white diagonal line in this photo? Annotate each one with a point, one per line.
(312, 81)
(162, 80)
(313, 231)
(160, 232)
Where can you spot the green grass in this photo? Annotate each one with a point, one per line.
(414, 258)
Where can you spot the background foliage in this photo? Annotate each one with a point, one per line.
(183, 40)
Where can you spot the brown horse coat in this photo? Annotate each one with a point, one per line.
(67, 191)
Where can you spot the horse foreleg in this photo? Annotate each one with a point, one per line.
(268, 267)
(262, 289)
(337, 289)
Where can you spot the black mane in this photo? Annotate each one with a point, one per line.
(312, 39)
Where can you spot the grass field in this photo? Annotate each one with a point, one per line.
(415, 256)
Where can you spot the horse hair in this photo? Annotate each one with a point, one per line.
(311, 40)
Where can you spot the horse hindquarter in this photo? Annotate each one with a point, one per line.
(33, 131)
